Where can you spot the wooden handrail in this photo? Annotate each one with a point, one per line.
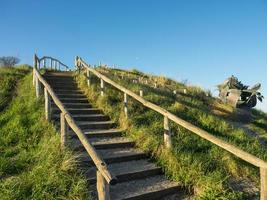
(53, 59)
(98, 161)
(194, 129)
(200, 132)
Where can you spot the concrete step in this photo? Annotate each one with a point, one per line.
(60, 83)
(91, 117)
(76, 91)
(59, 74)
(98, 133)
(86, 111)
(156, 187)
(71, 95)
(59, 78)
(96, 124)
(75, 105)
(113, 155)
(127, 171)
(74, 100)
(102, 143)
(64, 87)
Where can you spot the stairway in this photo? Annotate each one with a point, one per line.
(138, 177)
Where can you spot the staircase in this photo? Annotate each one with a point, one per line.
(138, 177)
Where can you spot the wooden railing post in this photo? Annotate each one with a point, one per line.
(263, 178)
(102, 187)
(51, 64)
(37, 87)
(63, 130)
(47, 105)
(167, 133)
(33, 76)
(141, 93)
(102, 87)
(33, 69)
(125, 105)
(88, 74)
(44, 64)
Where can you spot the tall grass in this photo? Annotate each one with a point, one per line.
(202, 168)
(31, 163)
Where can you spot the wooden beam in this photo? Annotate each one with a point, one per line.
(88, 74)
(51, 64)
(102, 87)
(263, 178)
(167, 133)
(102, 187)
(33, 76)
(200, 132)
(47, 105)
(141, 93)
(63, 130)
(37, 87)
(125, 105)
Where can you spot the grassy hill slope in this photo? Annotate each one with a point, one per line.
(31, 163)
(205, 170)
(8, 80)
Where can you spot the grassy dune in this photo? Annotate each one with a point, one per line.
(203, 169)
(31, 163)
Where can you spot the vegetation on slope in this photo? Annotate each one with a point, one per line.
(9, 76)
(31, 163)
(204, 169)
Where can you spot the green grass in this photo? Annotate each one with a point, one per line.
(202, 168)
(8, 80)
(31, 163)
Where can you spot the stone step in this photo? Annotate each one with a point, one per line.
(86, 111)
(127, 171)
(74, 100)
(156, 187)
(113, 155)
(102, 143)
(74, 105)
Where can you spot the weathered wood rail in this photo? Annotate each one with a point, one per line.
(104, 176)
(80, 64)
(48, 62)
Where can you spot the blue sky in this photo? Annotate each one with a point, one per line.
(201, 41)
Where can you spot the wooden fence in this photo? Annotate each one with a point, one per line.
(104, 177)
(80, 64)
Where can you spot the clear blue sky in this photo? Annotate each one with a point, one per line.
(202, 41)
